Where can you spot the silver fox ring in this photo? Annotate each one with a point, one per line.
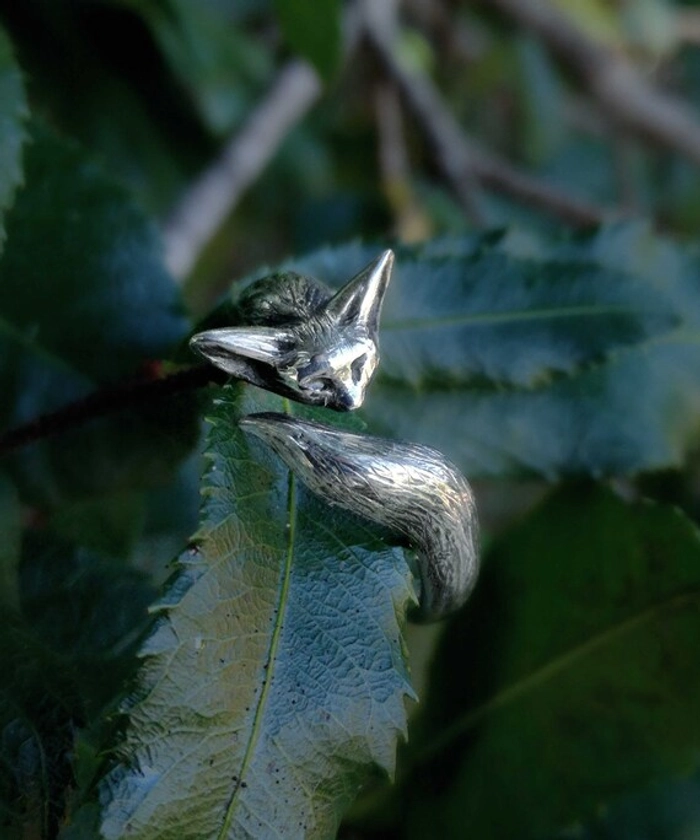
(319, 348)
(302, 341)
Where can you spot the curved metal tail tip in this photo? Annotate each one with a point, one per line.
(411, 489)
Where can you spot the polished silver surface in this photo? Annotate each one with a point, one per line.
(410, 488)
(304, 342)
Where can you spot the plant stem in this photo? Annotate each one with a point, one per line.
(111, 400)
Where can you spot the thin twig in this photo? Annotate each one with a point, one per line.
(411, 224)
(112, 400)
(439, 126)
(687, 26)
(463, 162)
(211, 198)
(622, 92)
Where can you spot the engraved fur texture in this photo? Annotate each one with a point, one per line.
(410, 488)
(302, 341)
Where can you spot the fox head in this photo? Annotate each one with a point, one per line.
(303, 342)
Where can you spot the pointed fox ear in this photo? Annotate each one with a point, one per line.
(360, 300)
(225, 348)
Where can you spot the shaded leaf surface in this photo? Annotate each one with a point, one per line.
(85, 301)
(123, 104)
(274, 679)
(81, 254)
(64, 655)
(10, 544)
(215, 63)
(13, 110)
(516, 354)
(565, 681)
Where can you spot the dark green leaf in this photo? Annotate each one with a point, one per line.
(13, 111)
(121, 103)
(218, 66)
(10, 545)
(62, 658)
(514, 354)
(82, 273)
(570, 678)
(274, 679)
(85, 301)
(666, 810)
(312, 27)
(109, 524)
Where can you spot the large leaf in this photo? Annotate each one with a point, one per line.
(274, 679)
(570, 678)
(13, 110)
(516, 354)
(85, 301)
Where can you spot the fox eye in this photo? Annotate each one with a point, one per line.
(357, 367)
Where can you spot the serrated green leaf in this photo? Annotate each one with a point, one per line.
(274, 680)
(85, 301)
(571, 676)
(517, 354)
(13, 112)
(312, 27)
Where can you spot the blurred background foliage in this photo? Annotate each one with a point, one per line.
(248, 131)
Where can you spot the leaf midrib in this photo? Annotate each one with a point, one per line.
(547, 671)
(270, 660)
(512, 316)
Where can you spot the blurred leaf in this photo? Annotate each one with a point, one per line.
(122, 103)
(13, 111)
(274, 679)
(585, 167)
(571, 676)
(62, 660)
(10, 545)
(665, 810)
(88, 610)
(109, 524)
(85, 301)
(518, 354)
(219, 66)
(312, 27)
(80, 253)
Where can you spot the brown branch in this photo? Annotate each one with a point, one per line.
(463, 162)
(118, 398)
(627, 98)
